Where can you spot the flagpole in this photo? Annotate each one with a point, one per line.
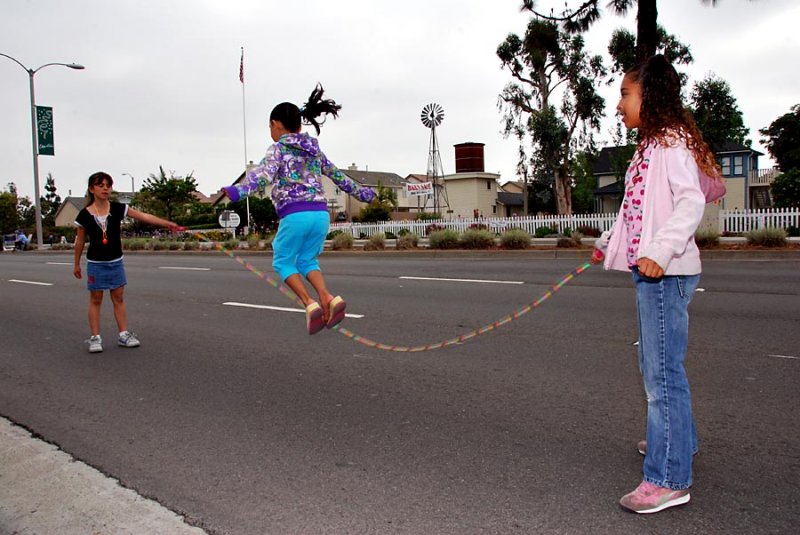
(244, 132)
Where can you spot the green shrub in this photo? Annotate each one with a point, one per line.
(231, 244)
(376, 242)
(135, 244)
(253, 241)
(476, 239)
(174, 245)
(542, 232)
(767, 237)
(409, 240)
(515, 238)
(576, 236)
(390, 235)
(192, 245)
(332, 234)
(705, 238)
(443, 239)
(217, 235)
(403, 232)
(342, 241)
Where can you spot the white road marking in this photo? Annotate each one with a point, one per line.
(31, 282)
(185, 268)
(280, 309)
(700, 290)
(59, 263)
(461, 280)
(784, 357)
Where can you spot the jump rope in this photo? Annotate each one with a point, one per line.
(407, 349)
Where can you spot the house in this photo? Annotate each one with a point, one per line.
(68, 211)
(471, 191)
(747, 185)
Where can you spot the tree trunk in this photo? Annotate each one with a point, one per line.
(646, 30)
(563, 191)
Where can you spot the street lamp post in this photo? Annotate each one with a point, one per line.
(37, 201)
(133, 189)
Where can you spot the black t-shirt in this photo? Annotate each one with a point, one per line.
(98, 251)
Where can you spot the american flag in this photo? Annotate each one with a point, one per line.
(241, 67)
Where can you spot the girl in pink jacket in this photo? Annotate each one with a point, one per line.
(653, 237)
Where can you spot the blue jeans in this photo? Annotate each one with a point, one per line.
(663, 308)
(300, 240)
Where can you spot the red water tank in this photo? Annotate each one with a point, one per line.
(469, 158)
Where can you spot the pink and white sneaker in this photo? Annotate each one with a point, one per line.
(650, 498)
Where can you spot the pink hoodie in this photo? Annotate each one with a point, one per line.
(672, 210)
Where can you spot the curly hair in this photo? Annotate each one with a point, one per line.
(664, 118)
(291, 116)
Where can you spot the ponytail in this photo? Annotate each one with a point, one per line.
(291, 116)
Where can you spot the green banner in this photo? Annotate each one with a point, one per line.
(44, 128)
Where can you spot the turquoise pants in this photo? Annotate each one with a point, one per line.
(300, 240)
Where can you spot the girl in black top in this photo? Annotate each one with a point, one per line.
(100, 221)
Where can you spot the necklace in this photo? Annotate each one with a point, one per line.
(102, 222)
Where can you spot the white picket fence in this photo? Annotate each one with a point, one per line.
(560, 223)
(733, 221)
(738, 221)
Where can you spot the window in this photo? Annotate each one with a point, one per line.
(725, 162)
(738, 165)
(488, 184)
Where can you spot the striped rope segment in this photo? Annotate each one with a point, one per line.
(409, 349)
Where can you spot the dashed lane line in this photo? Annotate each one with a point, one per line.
(279, 309)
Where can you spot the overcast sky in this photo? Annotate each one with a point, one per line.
(161, 85)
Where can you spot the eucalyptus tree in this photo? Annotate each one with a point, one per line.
(552, 99)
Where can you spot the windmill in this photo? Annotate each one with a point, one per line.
(431, 116)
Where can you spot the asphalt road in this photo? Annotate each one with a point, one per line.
(235, 418)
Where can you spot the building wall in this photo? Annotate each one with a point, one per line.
(66, 217)
(736, 195)
(467, 192)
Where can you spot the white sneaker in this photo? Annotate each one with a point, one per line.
(95, 344)
(127, 339)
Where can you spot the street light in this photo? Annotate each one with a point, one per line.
(133, 189)
(37, 202)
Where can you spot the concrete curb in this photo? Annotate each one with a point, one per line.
(45, 490)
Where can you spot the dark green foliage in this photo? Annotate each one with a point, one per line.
(542, 232)
(786, 189)
(782, 139)
(717, 114)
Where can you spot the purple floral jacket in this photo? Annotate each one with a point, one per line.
(295, 166)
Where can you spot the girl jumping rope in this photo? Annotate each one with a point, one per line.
(294, 165)
(100, 220)
(653, 237)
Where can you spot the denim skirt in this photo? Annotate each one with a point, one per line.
(105, 275)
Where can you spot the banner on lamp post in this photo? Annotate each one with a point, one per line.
(44, 129)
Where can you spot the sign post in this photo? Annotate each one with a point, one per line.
(230, 219)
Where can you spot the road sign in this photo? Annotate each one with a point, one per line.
(229, 219)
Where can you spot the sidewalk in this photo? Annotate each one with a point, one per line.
(45, 491)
